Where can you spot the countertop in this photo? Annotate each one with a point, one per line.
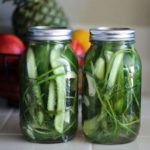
(12, 139)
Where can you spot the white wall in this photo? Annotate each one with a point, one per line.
(103, 12)
(92, 13)
(6, 10)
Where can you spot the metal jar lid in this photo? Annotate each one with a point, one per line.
(48, 33)
(112, 34)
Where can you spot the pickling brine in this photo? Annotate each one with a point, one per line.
(48, 79)
(111, 87)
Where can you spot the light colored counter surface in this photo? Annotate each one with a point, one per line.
(11, 137)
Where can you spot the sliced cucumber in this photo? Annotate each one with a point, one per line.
(51, 96)
(61, 97)
(40, 117)
(55, 55)
(42, 52)
(71, 75)
(114, 70)
(100, 68)
(119, 102)
(108, 55)
(32, 75)
(90, 126)
(31, 64)
(91, 85)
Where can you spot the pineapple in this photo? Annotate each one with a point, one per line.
(36, 12)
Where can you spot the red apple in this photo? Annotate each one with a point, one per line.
(10, 47)
(79, 50)
(11, 44)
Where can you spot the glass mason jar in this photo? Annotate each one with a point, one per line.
(111, 87)
(49, 77)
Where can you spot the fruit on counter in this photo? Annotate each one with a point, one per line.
(83, 37)
(30, 13)
(11, 48)
(79, 51)
(10, 44)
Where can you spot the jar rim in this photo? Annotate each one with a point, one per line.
(112, 34)
(49, 33)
